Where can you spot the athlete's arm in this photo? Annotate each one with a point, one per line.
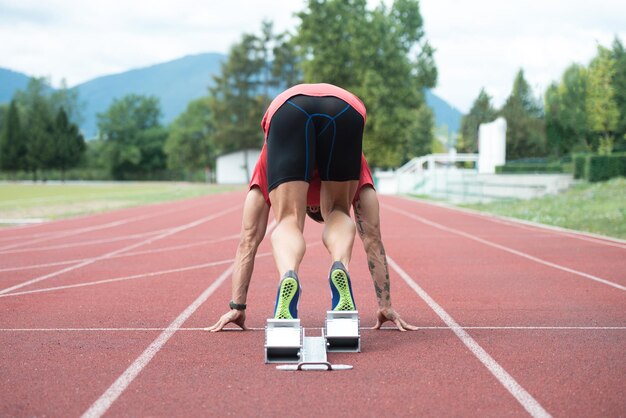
(253, 226)
(366, 212)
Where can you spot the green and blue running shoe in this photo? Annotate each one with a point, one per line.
(341, 288)
(287, 297)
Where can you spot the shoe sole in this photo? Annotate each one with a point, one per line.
(340, 279)
(288, 290)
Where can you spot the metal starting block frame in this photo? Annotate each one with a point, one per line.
(342, 331)
(285, 342)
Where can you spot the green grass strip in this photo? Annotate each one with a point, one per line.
(591, 207)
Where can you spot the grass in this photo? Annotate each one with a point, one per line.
(592, 207)
(19, 201)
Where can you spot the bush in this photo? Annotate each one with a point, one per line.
(604, 167)
(94, 174)
(580, 161)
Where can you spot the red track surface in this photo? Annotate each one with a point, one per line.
(514, 319)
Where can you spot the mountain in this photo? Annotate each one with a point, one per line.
(10, 81)
(445, 113)
(175, 83)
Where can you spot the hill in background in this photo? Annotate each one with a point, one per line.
(10, 81)
(175, 83)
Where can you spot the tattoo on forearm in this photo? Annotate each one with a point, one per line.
(379, 291)
(359, 219)
(371, 265)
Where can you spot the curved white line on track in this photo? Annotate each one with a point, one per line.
(83, 243)
(121, 250)
(131, 254)
(134, 277)
(71, 232)
(125, 278)
(98, 408)
(504, 248)
(529, 225)
(525, 399)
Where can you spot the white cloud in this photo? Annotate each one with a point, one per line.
(80, 40)
(481, 43)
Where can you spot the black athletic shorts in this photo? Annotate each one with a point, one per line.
(314, 131)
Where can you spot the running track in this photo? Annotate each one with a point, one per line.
(103, 315)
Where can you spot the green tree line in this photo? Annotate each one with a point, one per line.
(380, 53)
(583, 112)
(39, 130)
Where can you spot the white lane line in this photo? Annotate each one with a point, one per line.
(125, 278)
(83, 243)
(503, 248)
(488, 328)
(131, 254)
(530, 225)
(525, 399)
(71, 232)
(118, 279)
(98, 408)
(121, 250)
(136, 276)
(115, 390)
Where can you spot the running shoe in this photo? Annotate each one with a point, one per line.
(287, 297)
(341, 288)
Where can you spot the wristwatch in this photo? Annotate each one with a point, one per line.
(238, 306)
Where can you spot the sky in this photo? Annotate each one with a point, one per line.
(479, 43)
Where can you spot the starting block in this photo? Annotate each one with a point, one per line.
(285, 342)
(314, 357)
(342, 331)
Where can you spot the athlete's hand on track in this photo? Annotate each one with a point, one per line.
(389, 314)
(234, 316)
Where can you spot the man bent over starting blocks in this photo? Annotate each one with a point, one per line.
(300, 112)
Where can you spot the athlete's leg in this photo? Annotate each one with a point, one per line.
(339, 229)
(339, 162)
(289, 208)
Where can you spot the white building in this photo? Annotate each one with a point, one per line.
(491, 145)
(236, 167)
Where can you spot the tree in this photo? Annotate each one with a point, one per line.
(40, 146)
(525, 134)
(566, 119)
(69, 143)
(4, 110)
(68, 99)
(619, 89)
(256, 67)
(189, 145)
(482, 111)
(602, 111)
(237, 102)
(381, 56)
(37, 106)
(134, 136)
(286, 63)
(420, 138)
(12, 142)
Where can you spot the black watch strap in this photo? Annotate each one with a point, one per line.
(238, 306)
